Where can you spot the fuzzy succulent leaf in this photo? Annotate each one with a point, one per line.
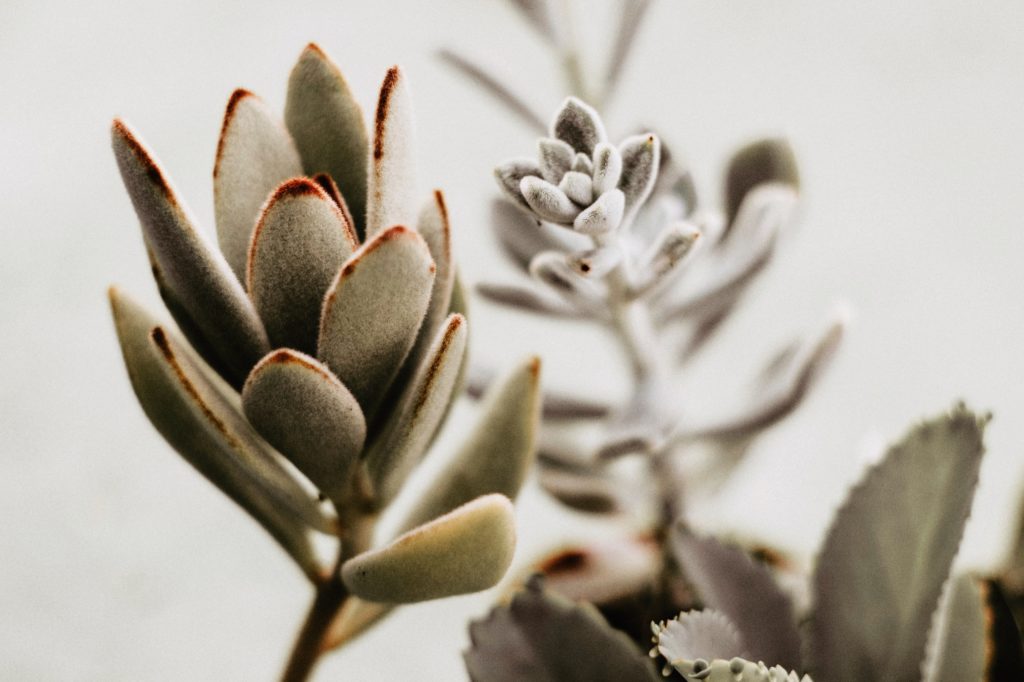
(545, 638)
(764, 161)
(548, 201)
(522, 236)
(959, 634)
(407, 433)
(373, 311)
(194, 273)
(889, 550)
(607, 167)
(297, 248)
(578, 186)
(728, 581)
(497, 455)
(466, 550)
(308, 415)
(578, 125)
(433, 225)
(199, 417)
(510, 176)
(641, 156)
(391, 196)
(556, 158)
(525, 298)
(254, 156)
(602, 216)
(328, 126)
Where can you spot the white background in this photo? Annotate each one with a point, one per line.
(117, 561)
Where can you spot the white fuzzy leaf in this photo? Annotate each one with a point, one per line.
(547, 201)
(602, 216)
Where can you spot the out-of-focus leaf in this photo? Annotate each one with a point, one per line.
(308, 415)
(595, 262)
(199, 417)
(959, 635)
(579, 125)
(541, 636)
(591, 494)
(467, 550)
(556, 158)
(641, 156)
(889, 551)
(197, 275)
(373, 311)
(764, 161)
(296, 250)
(523, 298)
(537, 15)
(328, 126)
(495, 88)
(405, 436)
(728, 581)
(1004, 645)
(255, 155)
(391, 196)
(631, 17)
(510, 176)
(496, 456)
(662, 260)
(522, 236)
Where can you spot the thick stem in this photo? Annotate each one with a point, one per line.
(330, 596)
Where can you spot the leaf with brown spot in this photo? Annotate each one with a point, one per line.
(255, 154)
(391, 196)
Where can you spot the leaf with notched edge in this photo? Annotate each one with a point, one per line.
(328, 126)
(254, 156)
(467, 550)
(194, 274)
(391, 198)
(888, 553)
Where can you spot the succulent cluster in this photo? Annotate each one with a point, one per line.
(324, 343)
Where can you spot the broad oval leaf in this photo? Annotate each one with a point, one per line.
(888, 553)
(727, 580)
(467, 550)
(309, 416)
(497, 455)
(391, 196)
(255, 154)
(541, 636)
(196, 275)
(407, 433)
(298, 246)
(328, 126)
(373, 311)
(761, 162)
(196, 413)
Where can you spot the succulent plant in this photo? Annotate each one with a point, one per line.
(321, 348)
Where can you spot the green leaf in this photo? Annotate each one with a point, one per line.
(296, 251)
(372, 312)
(328, 126)
(467, 550)
(727, 580)
(435, 229)
(407, 433)
(959, 635)
(545, 638)
(255, 154)
(764, 161)
(199, 417)
(889, 551)
(309, 416)
(195, 274)
(497, 455)
(391, 196)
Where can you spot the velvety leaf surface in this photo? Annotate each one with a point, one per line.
(308, 415)
(373, 311)
(641, 156)
(727, 580)
(764, 161)
(467, 550)
(328, 126)
(196, 414)
(542, 637)
(578, 125)
(298, 247)
(548, 201)
(889, 551)
(603, 216)
(497, 455)
(195, 274)
(407, 433)
(391, 196)
(510, 176)
(435, 229)
(255, 155)
(959, 635)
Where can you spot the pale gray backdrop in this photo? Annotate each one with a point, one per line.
(118, 562)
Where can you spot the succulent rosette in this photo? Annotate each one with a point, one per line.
(321, 346)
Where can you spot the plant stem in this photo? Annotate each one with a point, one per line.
(330, 596)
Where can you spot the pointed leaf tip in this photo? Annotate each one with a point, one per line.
(392, 181)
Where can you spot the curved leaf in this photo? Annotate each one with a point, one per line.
(196, 275)
(297, 248)
(255, 154)
(466, 550)
(328, 126)
(697, 635)
(764, 161)
(435, 229)
(308, 415)
(889, 551)
(959, 636)
(391, 196)
(641, 157)
(373, 311)
(578, 125)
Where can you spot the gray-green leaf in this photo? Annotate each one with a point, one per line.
(764, 161)
(959, 635)
(467, 550)
(391, 196)
(889, 551)
(255, 155)
(328, 126)
(309, 416)
(578, 125)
